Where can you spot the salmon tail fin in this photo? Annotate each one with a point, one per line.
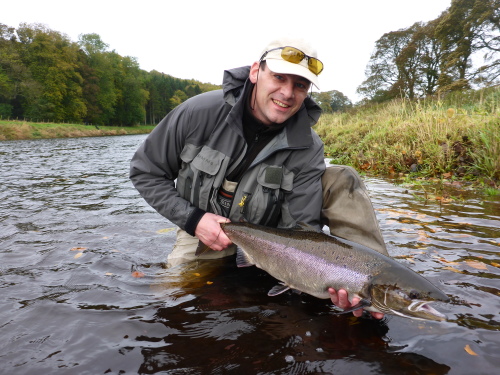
(201, 249)
(243, 259)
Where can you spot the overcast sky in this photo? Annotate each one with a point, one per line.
(199, 39)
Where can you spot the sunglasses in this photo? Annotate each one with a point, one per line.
(295, 56)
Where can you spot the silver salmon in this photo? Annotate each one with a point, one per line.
(311, 262)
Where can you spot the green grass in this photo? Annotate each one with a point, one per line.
(15, 130)
(458, 137)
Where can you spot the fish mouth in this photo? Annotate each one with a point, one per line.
(418, 310)
(421, 310)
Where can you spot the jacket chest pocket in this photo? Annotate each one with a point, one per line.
(202, 169)
(265, 203)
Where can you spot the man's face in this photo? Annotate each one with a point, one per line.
(276, 97)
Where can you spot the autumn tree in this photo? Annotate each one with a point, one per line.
(469, 28)
(385, 79)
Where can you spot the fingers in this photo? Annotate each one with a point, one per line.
(377, 315)
(210, 232)
(340, 298)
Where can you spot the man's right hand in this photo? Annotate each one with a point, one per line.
(209, 231)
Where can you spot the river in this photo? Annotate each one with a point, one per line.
(84, 288)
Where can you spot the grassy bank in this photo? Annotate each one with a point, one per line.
(455, 138)
(15, 130)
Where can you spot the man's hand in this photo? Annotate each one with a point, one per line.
(210, 232)
(340, 299)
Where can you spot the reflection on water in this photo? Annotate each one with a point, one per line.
(84, 288)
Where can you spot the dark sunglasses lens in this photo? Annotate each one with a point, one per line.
(292, 55)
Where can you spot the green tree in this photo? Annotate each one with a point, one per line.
(52, 59)
(178, 97)
(332, 101)
(132, 96)
(469, 26)
(99, 87)
(385, 78)
(17, 87)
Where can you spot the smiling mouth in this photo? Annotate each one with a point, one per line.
(280, 104)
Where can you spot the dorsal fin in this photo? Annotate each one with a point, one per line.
(301, 226)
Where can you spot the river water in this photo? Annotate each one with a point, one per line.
(84, 289)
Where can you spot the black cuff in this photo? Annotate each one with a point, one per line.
(193, 220)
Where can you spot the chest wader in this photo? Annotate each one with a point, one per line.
(347, 208)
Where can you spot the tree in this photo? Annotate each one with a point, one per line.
(486, 14)
(332, 101)
(51, 58)
(131, 95)
(99, 86)
(385, 78)
(469, 26)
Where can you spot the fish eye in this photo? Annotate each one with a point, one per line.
(414, 294)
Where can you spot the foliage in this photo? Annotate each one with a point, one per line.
(437, 57)
(15, 130)
(457, 137)
(332, 101)
(46, 76)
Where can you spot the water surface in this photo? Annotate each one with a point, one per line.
(84, 288)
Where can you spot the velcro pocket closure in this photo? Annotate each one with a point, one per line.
(275, 177)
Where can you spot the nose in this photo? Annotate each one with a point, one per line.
(287, 89)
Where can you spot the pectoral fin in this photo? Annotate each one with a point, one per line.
(277, 289)
(243, 259)
(360, 305)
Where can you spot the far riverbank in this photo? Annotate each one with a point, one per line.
(19, 130)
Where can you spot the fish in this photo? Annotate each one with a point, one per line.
(306, 260)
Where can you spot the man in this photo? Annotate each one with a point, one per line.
(244, 152)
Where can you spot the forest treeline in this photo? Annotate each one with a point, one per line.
(44, 76)
(457, 51)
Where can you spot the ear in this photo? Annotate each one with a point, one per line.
(254, 72)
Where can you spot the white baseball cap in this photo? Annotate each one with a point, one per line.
(293, 56)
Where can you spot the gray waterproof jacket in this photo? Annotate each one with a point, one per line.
(183, 162)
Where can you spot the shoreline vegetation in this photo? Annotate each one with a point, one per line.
(11, 130)
(455, 139)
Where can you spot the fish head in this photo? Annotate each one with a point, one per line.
(406, 293)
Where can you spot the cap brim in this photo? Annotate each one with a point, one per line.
(284, 67)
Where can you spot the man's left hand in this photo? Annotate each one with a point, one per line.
(341, 300)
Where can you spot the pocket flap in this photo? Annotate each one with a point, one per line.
(208, 160)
